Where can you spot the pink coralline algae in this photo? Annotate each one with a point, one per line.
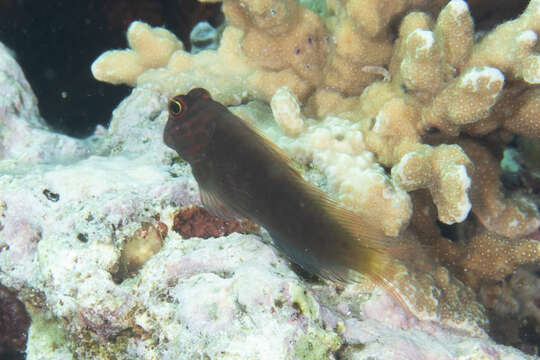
(14, 322)
(194, 221)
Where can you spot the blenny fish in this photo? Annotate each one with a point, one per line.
(242, 174)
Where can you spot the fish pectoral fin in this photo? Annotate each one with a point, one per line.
(216, 207)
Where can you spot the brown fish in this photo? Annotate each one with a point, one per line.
(241, 173)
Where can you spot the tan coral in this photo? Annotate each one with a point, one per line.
(488, 256)
(511, 46)
(363, 38)
(525, 120)
(286, 111)
(439, 296)
(452, 87)
(427, 61)
(455, 19)
(345, 71)
(491, 264)
(516, 111)
(150, 48)
(222, 72)
(394, 131)
(511, 216)
(467, 99)
(420, 67)
(443, 170)
(281, 34)
(265, 83)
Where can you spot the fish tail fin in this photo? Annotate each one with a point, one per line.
(393, 259)
(363, 247)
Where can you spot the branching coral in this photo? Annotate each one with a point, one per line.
(516, 305)
(444, 171)
(150, 48)
(488, 256)
(512, 216)
(511, 47)
(435, 103)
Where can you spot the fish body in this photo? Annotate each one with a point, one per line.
(241, 173)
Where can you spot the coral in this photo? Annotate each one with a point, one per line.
(304, 56)
(444, 171)
(488, 256)
(515, 303)
(511, 47)
(282, 36)
(15, 322)
(363, 40)
(150, 48)
(512, 215)
(476, 255)
(286, 111)
(194, 221)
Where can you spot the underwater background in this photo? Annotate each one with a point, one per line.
(423, 117)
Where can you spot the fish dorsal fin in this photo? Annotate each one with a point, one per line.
(216, 207)
(354, 222)
(357, 225)
(402, 248)
(360, 225)
(271, 146)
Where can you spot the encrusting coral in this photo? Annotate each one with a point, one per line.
(435, 103)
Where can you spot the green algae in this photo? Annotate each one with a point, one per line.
(317, 344)
(302, 300)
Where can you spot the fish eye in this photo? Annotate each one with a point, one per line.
(176, 107)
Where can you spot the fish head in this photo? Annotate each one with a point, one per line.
(191, 124)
